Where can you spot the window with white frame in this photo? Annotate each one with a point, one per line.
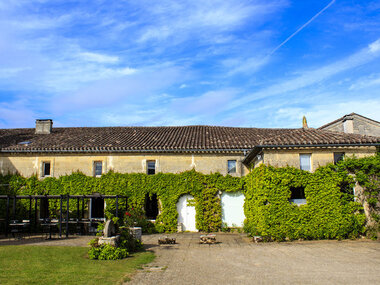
(231, 166)
(305, 161)
(151, 167)
(46, 168)
(98, 168)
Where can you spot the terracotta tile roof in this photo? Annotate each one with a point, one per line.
(317, 137)
(185, 138)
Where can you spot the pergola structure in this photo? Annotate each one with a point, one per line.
(63, 220)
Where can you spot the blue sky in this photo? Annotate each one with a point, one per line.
(234, 63)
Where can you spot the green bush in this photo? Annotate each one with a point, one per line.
(128, 242)
(107, 252)
(136, 218)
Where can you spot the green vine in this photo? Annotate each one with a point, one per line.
(326, 215)
(330, 211)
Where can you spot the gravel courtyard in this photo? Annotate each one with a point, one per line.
(236, 260)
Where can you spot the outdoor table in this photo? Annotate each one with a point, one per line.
(49, 224)
(17, 227)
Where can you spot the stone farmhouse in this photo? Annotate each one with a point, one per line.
(53, 152)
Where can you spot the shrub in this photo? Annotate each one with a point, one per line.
(107, 252)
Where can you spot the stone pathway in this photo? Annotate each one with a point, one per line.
(236, 260)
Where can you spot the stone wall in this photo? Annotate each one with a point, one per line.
(319, 157)
(357, 125)
(62, 164)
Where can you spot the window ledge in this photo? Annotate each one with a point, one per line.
(298, 201)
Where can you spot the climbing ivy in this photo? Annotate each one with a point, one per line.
(366, 171)
(328, 213)
(205, 189)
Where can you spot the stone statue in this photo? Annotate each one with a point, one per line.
(109, 229)
(109, 236)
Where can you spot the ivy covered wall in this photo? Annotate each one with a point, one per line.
(168, 187)
(366, 172)
(330, 212)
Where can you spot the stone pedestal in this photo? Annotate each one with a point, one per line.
(109, 240)
(136, 232)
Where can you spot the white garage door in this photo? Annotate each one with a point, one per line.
(186, 213)
(233, 209)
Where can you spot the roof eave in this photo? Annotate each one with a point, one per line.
(243, 150)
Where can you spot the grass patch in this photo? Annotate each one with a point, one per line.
(63, 265)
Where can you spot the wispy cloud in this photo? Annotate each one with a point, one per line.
(180, 62)
(187, 20)
(99, 58)
(366, 82)
(320, 114)
(309, 78)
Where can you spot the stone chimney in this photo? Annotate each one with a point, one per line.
(348, 124)
(304, 123)
(44, 126)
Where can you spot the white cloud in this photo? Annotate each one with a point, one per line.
(209, 103)
(17, 113)
(185, 20)
(309, 78)
(246, 65)
(97, 57)
(375, 46)
(320, 114)
(137, 88)
(12, 71)
(365, 82)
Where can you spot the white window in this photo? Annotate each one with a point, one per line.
(46, 168)
(98, 165)
(151, 167)
(231, 164)
(305, 161)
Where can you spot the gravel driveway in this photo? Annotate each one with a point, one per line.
(236, 260)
